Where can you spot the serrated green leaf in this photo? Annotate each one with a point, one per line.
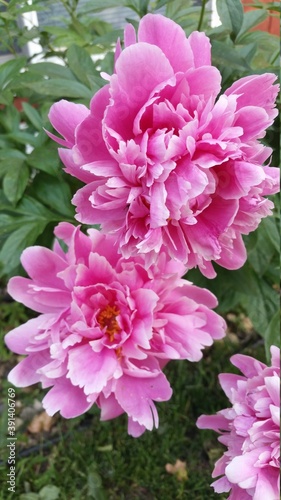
(15, 180)
(60, 88)
(33, 115)
(231, 14)
(272, 334)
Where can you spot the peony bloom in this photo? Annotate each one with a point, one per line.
(107, 327)
(167, 161)
(250, 468)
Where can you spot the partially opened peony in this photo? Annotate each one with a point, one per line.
(168, 162)
(107, 327)
(250, 468)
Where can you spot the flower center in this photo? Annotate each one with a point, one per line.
(107, 319)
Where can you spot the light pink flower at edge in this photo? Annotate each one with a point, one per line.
(250, 429)
(168, 161)
(107, 327)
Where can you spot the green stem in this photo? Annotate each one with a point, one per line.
(201, 15)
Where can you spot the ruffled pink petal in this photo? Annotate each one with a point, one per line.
(70, 401)
(136, 397)
(18, 339)
(256, 90)
(40, 299)
(247, 365)
(90, 370)
(26, 372)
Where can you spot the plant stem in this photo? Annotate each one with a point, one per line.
(201, 15)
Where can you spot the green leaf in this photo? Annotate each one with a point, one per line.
(51, 70)
(49, 492)
(23, 138)
(272, 334)
(9, 69)
(47, 163)
(29, 208)
(263, 252)
(58, 87)
(95, 489)
(29, 496)
(271, 230)
(80, 63)
(55, 193)
(15, 244)
(231, 14)
(262, 305)
(251, 19)
(225, 55)
(33, 116)
(15, 180)
(11, 153)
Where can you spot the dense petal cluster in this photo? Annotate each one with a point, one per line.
(107, 326)
(250, 468)
(167, 162)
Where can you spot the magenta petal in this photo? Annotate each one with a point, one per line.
(135, 429)
(25, 373)
(72, 168)
(253, 121)
(174, 44)
(256, 90)
(42, 300)
(90, 370)
(228, 382)
(110, 408)
(65, 116)
(18, 339)
(43, 265)
(215, 422)
(136, 397)
(70, 401)
(201, 48)
(129, 35)
(247, 365)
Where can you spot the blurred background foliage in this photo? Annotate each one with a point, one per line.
(70, 51)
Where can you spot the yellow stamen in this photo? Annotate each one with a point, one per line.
(107, 319)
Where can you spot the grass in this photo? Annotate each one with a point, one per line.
(85, 458)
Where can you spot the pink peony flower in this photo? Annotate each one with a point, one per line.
(166, 162)
(250, 468)
(107, 327)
